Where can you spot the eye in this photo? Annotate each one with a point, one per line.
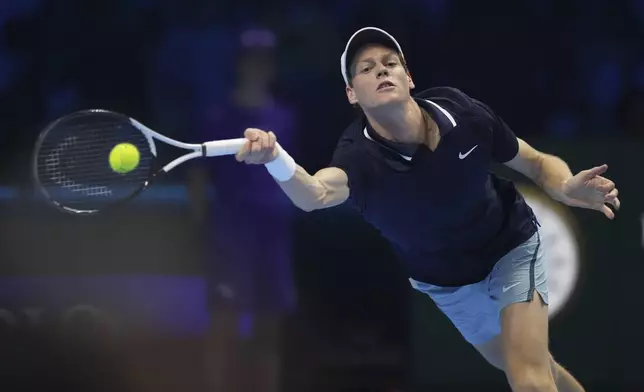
(392, 64)
(364, 69)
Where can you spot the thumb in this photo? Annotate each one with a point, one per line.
(241, 154)
(594, 172)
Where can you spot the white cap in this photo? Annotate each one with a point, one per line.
(362, 37)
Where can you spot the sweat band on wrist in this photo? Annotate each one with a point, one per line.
(282, 168)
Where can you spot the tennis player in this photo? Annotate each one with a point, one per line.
(417, 168)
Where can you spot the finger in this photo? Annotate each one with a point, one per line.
(612, 194)
(595, 171)
(256, 147)
(243, 152)
(612, 199)
(607, 211)
(271, 140)
(604, 185)
(251, 134)
(263, 140)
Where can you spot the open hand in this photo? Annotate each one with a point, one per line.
(259, 149)
(588, 189)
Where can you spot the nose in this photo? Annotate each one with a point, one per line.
(382, 72)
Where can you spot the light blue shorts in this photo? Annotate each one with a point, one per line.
(475, 309)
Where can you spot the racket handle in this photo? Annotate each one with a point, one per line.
(223, 147)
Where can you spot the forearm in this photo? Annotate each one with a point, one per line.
(551, 173)
(309, 192)
(327, 188)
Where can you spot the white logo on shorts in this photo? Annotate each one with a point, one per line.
(508, 287)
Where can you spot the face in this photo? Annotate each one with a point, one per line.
(379, 78)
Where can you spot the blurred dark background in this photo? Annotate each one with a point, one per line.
(212, 282)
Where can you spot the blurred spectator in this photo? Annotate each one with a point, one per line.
(248, 226)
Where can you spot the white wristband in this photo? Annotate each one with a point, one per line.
(282, 168)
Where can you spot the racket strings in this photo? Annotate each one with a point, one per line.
(73, 161)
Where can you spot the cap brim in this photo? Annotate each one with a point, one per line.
(361, 38)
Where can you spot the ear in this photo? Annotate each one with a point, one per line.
(411, 82)
(351, 95)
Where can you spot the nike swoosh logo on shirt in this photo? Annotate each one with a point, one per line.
(463, 156)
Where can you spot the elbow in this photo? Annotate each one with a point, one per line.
(321, 202)
(321, 197)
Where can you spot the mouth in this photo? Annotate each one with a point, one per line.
(385, 85)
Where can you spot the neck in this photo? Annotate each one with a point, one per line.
(402, 123)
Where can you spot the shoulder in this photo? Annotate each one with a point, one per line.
(352, 138)
(446, 93)
(458, 103)
(350, 152)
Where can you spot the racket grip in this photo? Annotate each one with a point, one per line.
(223, 147)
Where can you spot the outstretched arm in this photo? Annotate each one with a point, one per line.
(587, 189)
(326, 188)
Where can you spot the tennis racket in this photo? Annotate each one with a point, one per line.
(71, 160)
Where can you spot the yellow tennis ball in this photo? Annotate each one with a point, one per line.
(124, 158)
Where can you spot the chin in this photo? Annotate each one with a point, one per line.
(392, 98)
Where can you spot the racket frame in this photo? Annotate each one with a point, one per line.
(207, 149)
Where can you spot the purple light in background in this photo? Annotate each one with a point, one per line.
(258, 38)
(246, 323)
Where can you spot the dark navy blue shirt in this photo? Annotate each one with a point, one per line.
(447, 216)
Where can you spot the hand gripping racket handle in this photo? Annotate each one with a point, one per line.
(282, 168)
(224, 147)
